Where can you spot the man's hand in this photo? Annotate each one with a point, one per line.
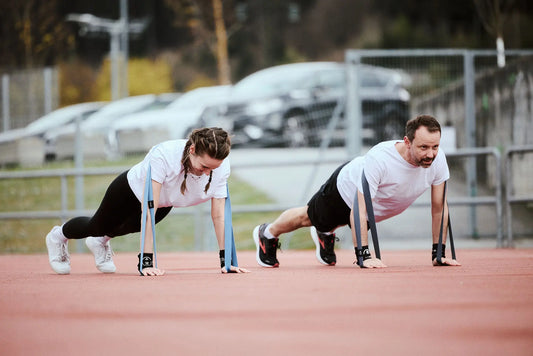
(446, 262)
(373, 263)
(234, 269)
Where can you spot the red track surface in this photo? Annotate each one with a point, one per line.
(484, 307)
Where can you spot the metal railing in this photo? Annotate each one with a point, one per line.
(510, 196)
(199, 212)
(474, 200)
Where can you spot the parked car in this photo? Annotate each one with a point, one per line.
(94, 130)
(27, 144)
(290, 105)
(140, 131)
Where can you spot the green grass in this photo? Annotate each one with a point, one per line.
(174, 233)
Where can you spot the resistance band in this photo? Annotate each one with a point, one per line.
(230, 254)
(439, 246)
(371, 219)
(148, 204)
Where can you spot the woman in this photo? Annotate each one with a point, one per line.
(184, 173)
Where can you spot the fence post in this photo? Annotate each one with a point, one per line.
(470, 129)
(78, 162)
(5, 102)
(47, 78)
(354, 114)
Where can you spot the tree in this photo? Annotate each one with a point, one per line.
(224, 72)
(32, 33)
(205, 19)
(493, 14)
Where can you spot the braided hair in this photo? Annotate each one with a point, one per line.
(213, 141)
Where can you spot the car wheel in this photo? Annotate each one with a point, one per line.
(392, 130)
(295, 131)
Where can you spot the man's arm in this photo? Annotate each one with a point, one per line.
(438, 202)
(372, 262)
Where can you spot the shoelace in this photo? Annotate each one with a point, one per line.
(327, 238)
(108, 252)
(64, 253)
(276, 245)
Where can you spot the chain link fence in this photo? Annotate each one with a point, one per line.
(27, 95)
(479, 105)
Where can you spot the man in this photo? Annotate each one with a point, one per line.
(398, 172)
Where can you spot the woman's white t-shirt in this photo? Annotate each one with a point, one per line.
(166, 168)
(394, 183)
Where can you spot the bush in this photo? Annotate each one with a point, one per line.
(145, 76)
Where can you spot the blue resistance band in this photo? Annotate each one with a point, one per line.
(230, 254)
(371, 219)
(439, 246)
(148, 204)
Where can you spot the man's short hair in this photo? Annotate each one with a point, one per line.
(428, 121)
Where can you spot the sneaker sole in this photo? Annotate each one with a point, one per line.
(314, 236)
(257, 258)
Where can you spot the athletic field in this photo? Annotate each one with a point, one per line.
(410, 308)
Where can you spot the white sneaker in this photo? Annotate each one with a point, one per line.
(58, 255)
(103, 254)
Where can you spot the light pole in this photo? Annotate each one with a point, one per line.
(118, 31)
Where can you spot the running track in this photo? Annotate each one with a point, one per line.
(484, 307)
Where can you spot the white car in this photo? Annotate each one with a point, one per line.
(26, 146)
(140, 131)
(94, 130)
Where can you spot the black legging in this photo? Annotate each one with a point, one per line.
(119, 214)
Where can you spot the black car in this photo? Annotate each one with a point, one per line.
(291, 105)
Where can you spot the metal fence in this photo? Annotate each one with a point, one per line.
(431, 76)
(200, 214)
(28, 95)
(517, 161)
(478, 103)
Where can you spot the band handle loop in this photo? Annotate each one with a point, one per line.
(230, 253)
(371, 219)
(452, 245)
(147, 205)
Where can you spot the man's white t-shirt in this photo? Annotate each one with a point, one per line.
(166, 168)
(394, 183)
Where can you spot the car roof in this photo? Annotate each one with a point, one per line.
(62, 116)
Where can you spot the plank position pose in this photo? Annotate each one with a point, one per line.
(397, 171)
(184, 173)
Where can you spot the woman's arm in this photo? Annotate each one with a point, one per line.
(148, 237)
(217, 215)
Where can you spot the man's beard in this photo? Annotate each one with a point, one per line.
(425, 163)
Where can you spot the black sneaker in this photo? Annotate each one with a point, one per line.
(325, 244)
(266, 248)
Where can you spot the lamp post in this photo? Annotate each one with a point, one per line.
(118, 31)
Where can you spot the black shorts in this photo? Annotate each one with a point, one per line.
(326, 209)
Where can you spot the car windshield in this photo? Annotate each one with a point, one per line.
(61, 116)
(119, 108)
(283, 79)
(374, 78)
(274, 81)
(197, 98)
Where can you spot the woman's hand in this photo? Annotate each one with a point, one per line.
(234, 269)
(150, 271)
